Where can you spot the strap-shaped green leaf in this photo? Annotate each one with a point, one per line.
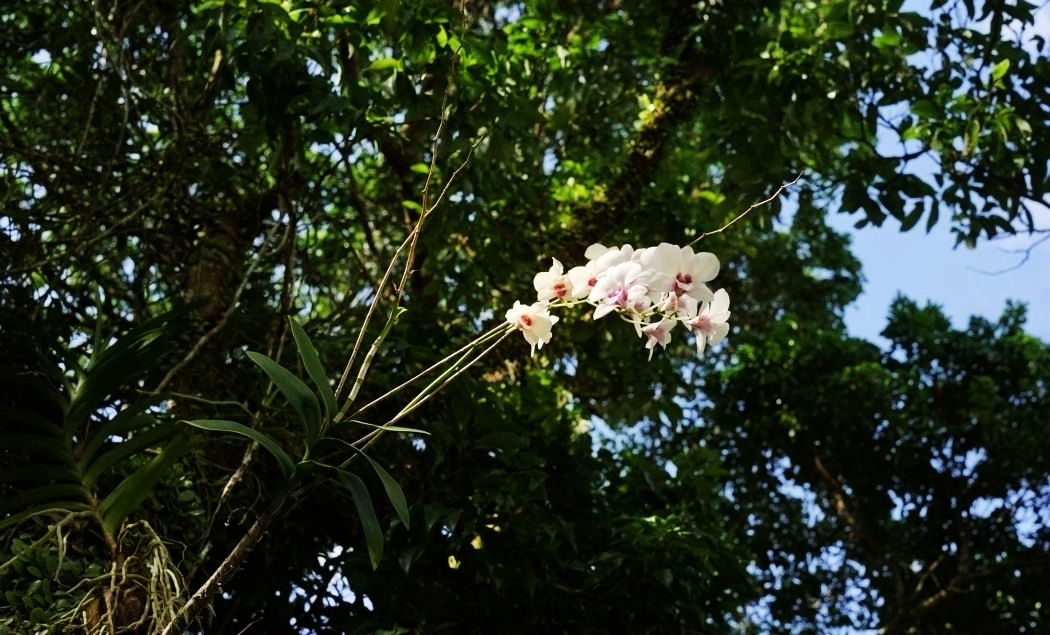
(131, 418)
(367, 513)
(102, 437)
(220, 425)
(296, 392)
(135, 353)
(129, 493)
(312, 362)
(393, 490)
(39, 473)
(17, 419)
(93, 469)
(42, 495)
(390, 484)
(41, 446)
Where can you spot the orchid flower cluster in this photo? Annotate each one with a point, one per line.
(655, 289)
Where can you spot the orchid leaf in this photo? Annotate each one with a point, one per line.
(367, 513)
(312, 363)
(393, 490)
(303, 400)
(220, 425)
(129, 494)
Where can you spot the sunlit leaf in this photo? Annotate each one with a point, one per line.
(999, 70)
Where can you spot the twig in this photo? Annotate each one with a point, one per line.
(1027, 254)
(409, 243)
(367, 363)
(212, 402)
(455, 173)
(427, 209)
(203, 596)
(368, 317)
(747, 211)
(57, 527)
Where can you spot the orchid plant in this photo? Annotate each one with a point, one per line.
(654, 289)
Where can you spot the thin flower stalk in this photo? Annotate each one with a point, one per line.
(481, 339)
(368, 317)
(371, 437)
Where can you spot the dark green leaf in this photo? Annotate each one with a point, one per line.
(128, 495)
(312, 363)
(393, 490)
(124, 423)
(296, 392)
(41, 446)
(30, 472)
(93, 470)
(133, 354)
(40, 496)
(220, 425)
(367, 513)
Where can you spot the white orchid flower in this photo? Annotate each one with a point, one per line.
(534, 321)
(683, 271)
(624, 286)
(710, 324)
(658, 333)
(553, 283)
(653, 288)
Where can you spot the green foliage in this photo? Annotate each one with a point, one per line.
(61, 456)
(263, 160)
(367, 513)
(297, 393)
(312, 362)
(80, 457)
(218, 425)
(949, 420)
(306, 405)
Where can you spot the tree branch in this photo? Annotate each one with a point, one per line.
(675, 100)
(233, 562)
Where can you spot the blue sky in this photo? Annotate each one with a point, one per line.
(964, 282)
(929, 268)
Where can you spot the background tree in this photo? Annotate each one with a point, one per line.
(221, 166)
(932, 515)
